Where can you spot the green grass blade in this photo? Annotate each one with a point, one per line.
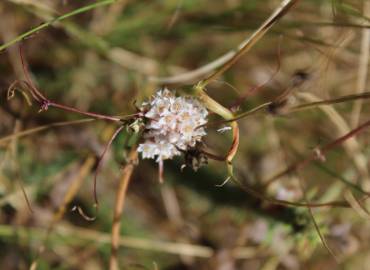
(60, 18)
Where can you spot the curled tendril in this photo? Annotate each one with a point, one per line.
(21, 87)
(82, 213)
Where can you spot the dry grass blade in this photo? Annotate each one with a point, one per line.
(84, 170)
(129, 242)
(347, 98)
(309, 105)
(12, 149)
(322, 238)
(175, 248)
(27, 132)
(263, 197)
(118, 208)
(194, 74)
(322, 151)
(60, 18)
(355, 204)
(351, 145)
(362, 69)
(74, 187)
(247, 44)
(118, 55)
(225, 61)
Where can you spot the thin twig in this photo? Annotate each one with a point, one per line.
(252, 91)
(351, 146)
(341, 178)
(101, 160)
(118, 208)
(354, 97)
(323, 150)
(309, 105)
(225, 61)
(247, 44)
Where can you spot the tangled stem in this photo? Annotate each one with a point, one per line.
(27, 86)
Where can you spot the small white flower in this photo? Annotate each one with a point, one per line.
(148, 149)
(173, 124)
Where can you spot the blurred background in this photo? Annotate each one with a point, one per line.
(111, 57)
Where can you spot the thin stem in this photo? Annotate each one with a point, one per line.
(256, 88)
(260, 196)
(101, 160)
(60, 18)
(310, 105)
(118, 208)
(322, 151)
(224, 112)
(362, 69)
(42, 128)
(353, 97)
(91, 114)
(341, 178)
(44, 102)
(250, 112)
(247, 44)
(322, 238)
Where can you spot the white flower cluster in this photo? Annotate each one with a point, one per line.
(172, 124)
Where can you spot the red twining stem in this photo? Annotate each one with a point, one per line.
(46, 103)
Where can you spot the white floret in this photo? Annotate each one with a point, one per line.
(173, 124)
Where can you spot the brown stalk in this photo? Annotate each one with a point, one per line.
(118, 207)
(299, 165)
(225, 61)
(356, 205)
(68, 197)
(247, 44)
(364, 95)
(322, 151)
(362, 68)
(304, 106)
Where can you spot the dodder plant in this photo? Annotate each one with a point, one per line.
(170, 124)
